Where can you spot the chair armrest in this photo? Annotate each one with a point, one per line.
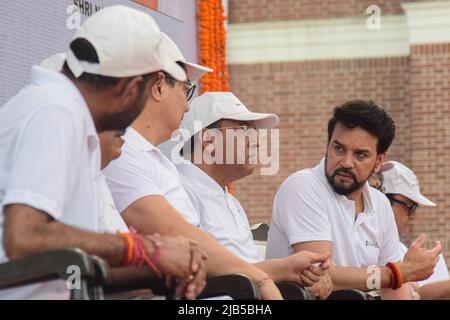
(350, 294)
(260, 231)
(237, 286)
(46, 266)
(122, 280)
(101, 275)
(293, 291)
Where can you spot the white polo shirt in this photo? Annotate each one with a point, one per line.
(49, 160)
(440, 271)
(110, 220)
(220, 213)
(306, 208)
(142, 170)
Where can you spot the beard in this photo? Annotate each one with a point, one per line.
(342, 188)
(123, 119)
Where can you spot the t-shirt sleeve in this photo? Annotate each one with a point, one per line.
(45, 159)
(131, 177)
(391, 250)
(301, 210)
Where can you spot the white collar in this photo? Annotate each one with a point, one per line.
(201, 179)
(135, 139)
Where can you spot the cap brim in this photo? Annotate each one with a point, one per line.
(262, 120)
(195, 71)
(421, 200)
(175, 70)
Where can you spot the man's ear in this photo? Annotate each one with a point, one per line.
(131, 90)
(157, 88)
(207, 140)
(381, 158)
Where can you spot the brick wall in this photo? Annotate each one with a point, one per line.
(242, 11)
(430, 137)
(269, 10)
(415, 89)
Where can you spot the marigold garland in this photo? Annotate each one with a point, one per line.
(212, 43)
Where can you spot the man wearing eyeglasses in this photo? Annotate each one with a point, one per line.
(145, 184)
(220, 143)
(401, 186)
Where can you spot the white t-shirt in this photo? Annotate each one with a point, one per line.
(440, 271)
(49, 160)
(220, 213)
(306, 208)
(110, 220)
(142, 170)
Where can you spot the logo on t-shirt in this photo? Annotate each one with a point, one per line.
(372, 244)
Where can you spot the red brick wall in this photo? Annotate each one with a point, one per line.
(303, 94)
(415, 89)
(270, 10)
(430, 136)
(242, 11)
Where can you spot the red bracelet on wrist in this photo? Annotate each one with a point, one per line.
(136, 254)
(395, 276)
(140, 254)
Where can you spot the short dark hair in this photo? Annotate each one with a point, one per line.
(85, 51)
(367, 115)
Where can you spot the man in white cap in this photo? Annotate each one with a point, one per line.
(146, 186)
(215, 120)
(50, 155)
(401, 186)
(110, 146)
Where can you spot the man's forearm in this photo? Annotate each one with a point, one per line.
(439, 290)
(364, 279)
(155, 214)
(57, 235)
(220, 260)
(274, 268)
(367, 279)
(403, 293)
(28, 231)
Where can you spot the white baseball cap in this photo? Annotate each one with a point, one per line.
(128, 43)
(194, 71)
(213, 106)
(399, 179)
(55, 62)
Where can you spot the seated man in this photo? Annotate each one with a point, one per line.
(146, 186)
(215, 120)
(332, 209)
(401, 186)
(50, 157)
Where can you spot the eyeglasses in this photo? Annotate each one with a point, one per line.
(410, 206)
(244, 129)
(189, 86)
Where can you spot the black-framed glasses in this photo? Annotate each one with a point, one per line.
(190, 87)
(410, 206)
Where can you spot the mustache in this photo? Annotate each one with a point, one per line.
(346, 171)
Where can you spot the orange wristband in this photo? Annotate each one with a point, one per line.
(129, 248)
(396, 277)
